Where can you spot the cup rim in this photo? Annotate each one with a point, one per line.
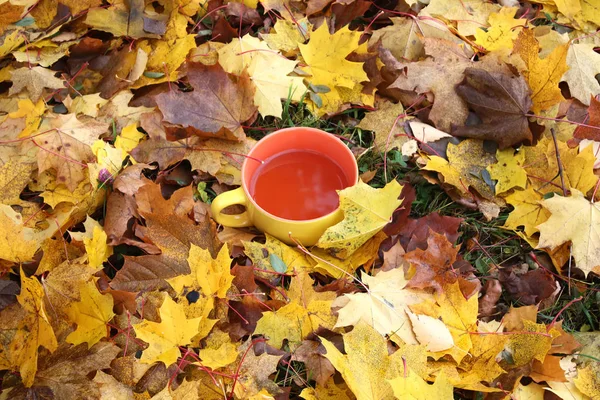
(280, 132)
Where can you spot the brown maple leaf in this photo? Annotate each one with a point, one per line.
(218, 106)
(171, 232)
(63, 374)
(501, 101)
(591, 132)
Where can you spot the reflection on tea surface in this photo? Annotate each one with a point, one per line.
(298, 185)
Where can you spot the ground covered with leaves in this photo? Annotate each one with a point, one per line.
(467, 262)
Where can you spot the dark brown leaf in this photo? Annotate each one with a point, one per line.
(529, 288)
(311, 354)
(415, 232)
(501, 101)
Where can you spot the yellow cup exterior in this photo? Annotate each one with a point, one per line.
(306, 232)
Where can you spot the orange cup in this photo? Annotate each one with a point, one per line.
(308, 231)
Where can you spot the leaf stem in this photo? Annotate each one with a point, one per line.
(560, 166)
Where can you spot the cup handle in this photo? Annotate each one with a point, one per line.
(226, 199)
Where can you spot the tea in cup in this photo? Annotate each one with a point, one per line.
(289, 186)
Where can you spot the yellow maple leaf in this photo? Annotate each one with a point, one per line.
(329, 391)
(33, 115)
(262, 255)
(164, 338)
(464, 167)
(412, 387)
(164, 57)
(219, 351)
(129, 138)
(533, 391)
(527, 345)
(457, 313)
(470, 15)
(574, 219)
(388, 126)
(501, 32)
(90, 314)
(588, 380)
(304, 314)
(332, 266)
(528, 211)
(366, 367)
(366, 211)
(325, 54)
(210, 276)
(19, 243)
(481, 364)
(268, 70)
(88, 104)
(44, 52)
(287, 35)
(384, 306)
(33, 331)
(542, 75)
(94, 239)
(508, 171)
(541, 166)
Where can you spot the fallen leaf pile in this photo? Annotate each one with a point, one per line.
(121, 120)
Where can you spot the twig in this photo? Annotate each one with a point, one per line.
(560, 167)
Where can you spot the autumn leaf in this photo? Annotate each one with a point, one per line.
(366, 366)
(434, 267)
(274, 251)
(164, 338)
(326, 55)
(508, 171)
(287, 35)
(465, 167)
(387, 123)
(210, 276)
(470, 15)
(35, 80)
(68, 147)
(129, 21)
(501, 101)
(91, 315)
(592, 129)
(584, 65)
(268, 71)
(528, 211)
(501, 32)
(366, 212)
(404, 37)
(384, 306)
(306, 312)
(33, 331)
(221, 103)
(542, 75)
(412, 386)
(574, 219)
